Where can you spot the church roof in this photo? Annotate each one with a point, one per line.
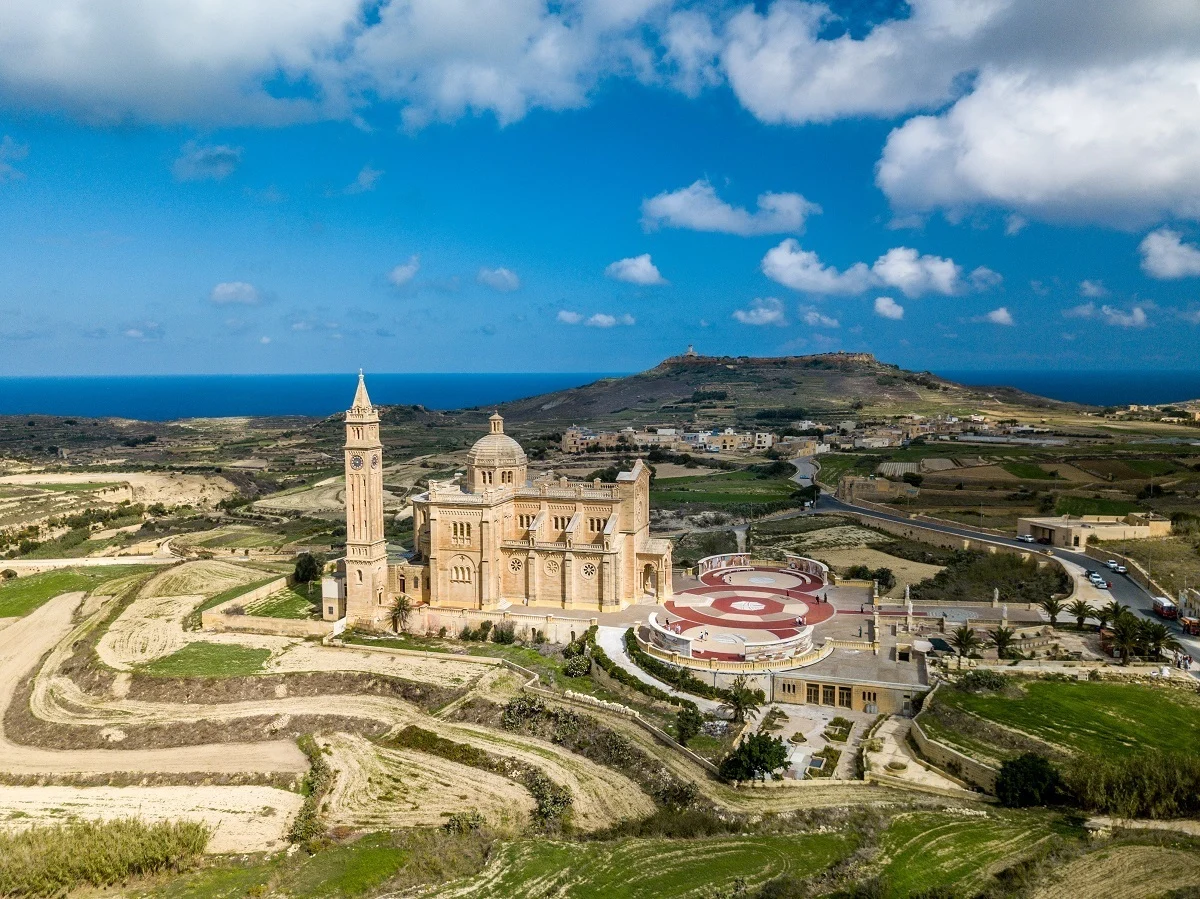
(361, 400)
(497, 449)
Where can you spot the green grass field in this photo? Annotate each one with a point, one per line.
(928, 849)
(722, 488)
(1027, 471)
(1086, 505)
(192, 621)
(647, 869)
(21, 596)
(75, 488)
(294, 602)
(1100, 718)
(209, 660)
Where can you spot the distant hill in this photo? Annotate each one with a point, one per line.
(766, 389)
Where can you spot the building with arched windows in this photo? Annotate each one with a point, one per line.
(496, 538)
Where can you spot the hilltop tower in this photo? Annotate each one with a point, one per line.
(366, 549)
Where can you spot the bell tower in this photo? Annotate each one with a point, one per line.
(366, 549)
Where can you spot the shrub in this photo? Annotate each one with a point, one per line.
(982, 681)
(621, 676)
(307, 568)
(1150, 784)
(463, 822)
(306, 827)
(681, 679)
(754, 758)
(688, 722)
(504, 634)
(577, 666)
(1027, 780)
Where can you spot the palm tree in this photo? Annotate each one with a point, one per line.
(401, 611)
(1002, 638)
(1113, 611)
(1053, 606)
(964, 641)
(742, 699)
(1081, 611)
(1127, 635)
(1157, 637)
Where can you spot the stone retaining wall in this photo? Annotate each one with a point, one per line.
(959, 764)
(218, 618)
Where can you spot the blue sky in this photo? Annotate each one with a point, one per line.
(189, 186)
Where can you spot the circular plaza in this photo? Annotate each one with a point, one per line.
(743, 610)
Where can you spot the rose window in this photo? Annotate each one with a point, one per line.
(514, 565)
(589, 569)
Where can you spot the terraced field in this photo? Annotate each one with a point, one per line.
(647, 869)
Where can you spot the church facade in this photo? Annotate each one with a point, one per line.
(494, 538)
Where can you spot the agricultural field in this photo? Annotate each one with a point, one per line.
(1100, 718)
(719, 490)
(297, 601)
(20, 596)
(200, 659)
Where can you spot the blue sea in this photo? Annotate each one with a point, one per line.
(1095, 388)
(209, 396)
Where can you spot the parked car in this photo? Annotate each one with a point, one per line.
(1112, 564)
(1121, 569)
(1025, 538)
(1103, 584)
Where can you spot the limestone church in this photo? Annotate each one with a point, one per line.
(493, 537)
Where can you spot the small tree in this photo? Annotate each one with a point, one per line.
(743, 700)
(1052, 606)
(754, 758)
(1002, 638)
(1127, 635)
(1080, 611)
(1027, 780)
(964, 640)
(307, 569)
(401, 611)
(1157, 637)
(687, 724)
(1112, 611)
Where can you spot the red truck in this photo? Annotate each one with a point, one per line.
(1164, 608)
(1191, 626)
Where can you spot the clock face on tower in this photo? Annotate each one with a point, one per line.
(356, 462)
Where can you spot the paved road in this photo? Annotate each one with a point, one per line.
(1124, 589)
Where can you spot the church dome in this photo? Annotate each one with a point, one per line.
(496, 449)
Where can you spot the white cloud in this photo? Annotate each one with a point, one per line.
(214, 162)
(1135, 318)
(1166, 256)
(363, 182)
(901, 267)
(815, 319)
(999, 316)
(768, 311)
(144, 331)
(1014, 224)
(238, 292)
(636, 270)
(501, 279)
(569, 318)
(1109, 145)
(604, 320)
(886, 307)
(698, 208)
(1094, 289)
(10, 152)
(403, 273)
(802, 270)
(914, 274)
(264, 340)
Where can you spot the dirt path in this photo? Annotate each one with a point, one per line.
(243, 819)
(1140, 871)
(442, 669)
(381, 789)
(21, 647)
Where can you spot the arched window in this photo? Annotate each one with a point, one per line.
(359, 572)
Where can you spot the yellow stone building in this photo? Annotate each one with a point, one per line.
(495, 538)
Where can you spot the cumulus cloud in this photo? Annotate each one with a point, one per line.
(698, 208)
(235, 292)
(903, 268)
(10, 152)
(501, 279)
(999, 316)
(604, 320)
(886, 307)
(198, 162)
(403, 273)
(1135, 317)
(1094, 289)
(568, 317)
(800, 269)
(815, 319)
(143, 331)
(1166, 256)
(636, 270)
(768, 311)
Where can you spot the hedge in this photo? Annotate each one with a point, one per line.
(621, 676)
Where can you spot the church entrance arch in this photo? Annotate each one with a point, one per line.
(650, 580)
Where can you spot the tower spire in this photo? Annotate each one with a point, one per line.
(361, 400)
